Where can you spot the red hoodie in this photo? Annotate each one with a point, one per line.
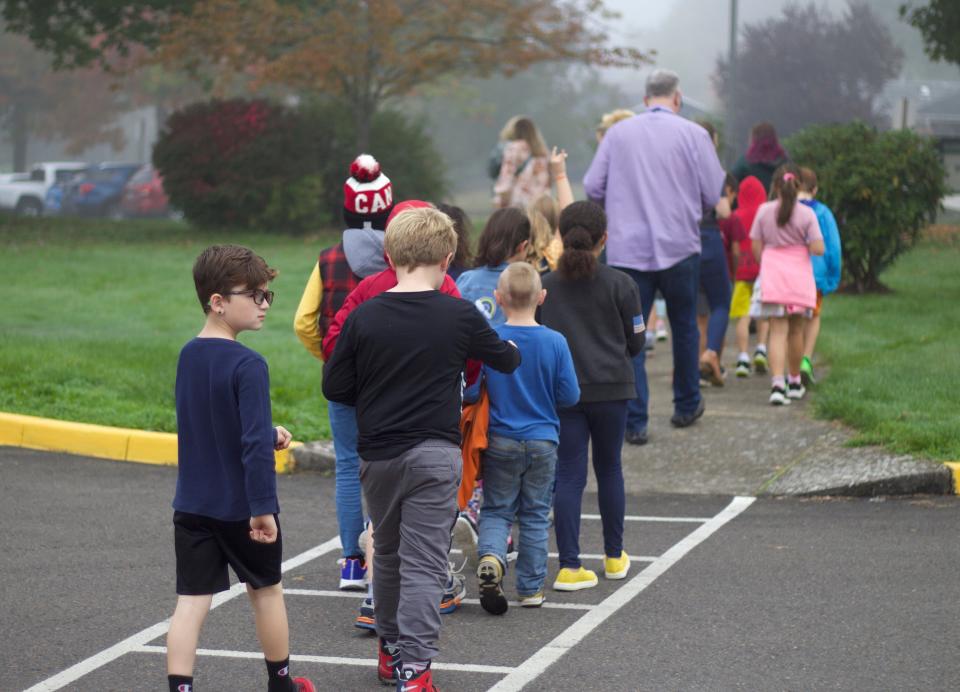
(368, 288)
(749, 198)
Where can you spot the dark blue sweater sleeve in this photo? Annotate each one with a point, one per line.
(257, 436)
(568, 389)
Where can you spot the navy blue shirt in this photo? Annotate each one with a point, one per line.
(226, 438)
(523, 405)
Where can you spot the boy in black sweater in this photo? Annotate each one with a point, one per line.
(400, 361)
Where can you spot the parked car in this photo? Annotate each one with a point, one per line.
(53, 202)
(144, 195)
(97, 191)
(24, 193)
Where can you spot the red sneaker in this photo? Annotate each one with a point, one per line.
(416, 682)
(387, 662)
(303, 685)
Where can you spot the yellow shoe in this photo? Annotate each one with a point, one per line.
(569, 579)
(616, 567)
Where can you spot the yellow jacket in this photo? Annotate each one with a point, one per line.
(306, 322)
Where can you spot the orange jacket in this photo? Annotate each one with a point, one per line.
(473, 430)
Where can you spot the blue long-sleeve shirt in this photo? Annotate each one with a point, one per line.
(523, 405)
(826, 267)
(226, 438)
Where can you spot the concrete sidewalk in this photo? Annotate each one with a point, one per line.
(743, 445)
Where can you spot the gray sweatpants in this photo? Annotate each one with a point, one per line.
(412, 500)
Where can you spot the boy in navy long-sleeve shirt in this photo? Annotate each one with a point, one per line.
(520, 460)
(225, 507)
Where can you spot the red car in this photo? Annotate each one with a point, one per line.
(144, 196)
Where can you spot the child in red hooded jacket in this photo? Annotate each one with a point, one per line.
(749, 198)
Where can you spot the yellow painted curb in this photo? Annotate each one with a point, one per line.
(104, 442)
(954, 467)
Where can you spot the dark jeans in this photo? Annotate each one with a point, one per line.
(678, 285)
(602, 423)
(715, 282)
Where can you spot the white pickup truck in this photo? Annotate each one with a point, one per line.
(23, 193)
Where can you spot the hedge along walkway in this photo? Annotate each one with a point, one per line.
(94, 323)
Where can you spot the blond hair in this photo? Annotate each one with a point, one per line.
(612, 118)
(420, 237)
(519, 286)
(541, 235)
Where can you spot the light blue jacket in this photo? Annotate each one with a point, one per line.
(826, 268)
(477, 286)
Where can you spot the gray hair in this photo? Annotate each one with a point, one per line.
(662, 83)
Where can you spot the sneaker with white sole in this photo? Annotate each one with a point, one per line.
(616, 567)
(534, 600)
(353, 574)
(574, 579)
(454, 592)
(743, 368)
(465, 541)
(778, 396)
(796, 390)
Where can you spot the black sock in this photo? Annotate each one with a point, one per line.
(279, 672)
(180, 683)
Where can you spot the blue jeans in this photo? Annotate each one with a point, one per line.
(518, 482)
(678, 285)
(343, 425)
(602, 423)
(715, 282)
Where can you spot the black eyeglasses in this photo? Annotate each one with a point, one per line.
(259, 295)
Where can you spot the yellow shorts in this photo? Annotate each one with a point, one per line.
(740, 302)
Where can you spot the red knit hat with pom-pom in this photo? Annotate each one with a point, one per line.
(367, 194)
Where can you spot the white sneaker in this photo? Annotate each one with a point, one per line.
(778, 396)
(796, 391)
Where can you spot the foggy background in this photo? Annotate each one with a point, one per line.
(464, 115)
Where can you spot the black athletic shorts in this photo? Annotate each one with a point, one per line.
(205, 546)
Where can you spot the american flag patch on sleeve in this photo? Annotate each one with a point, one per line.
(638, 325)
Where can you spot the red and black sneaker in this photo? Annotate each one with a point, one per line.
(409, 681)
(303, 685)
(387, 662)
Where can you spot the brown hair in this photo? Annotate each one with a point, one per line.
(710, 128)
(582, 225)
(519, 286)
(420, 237)
(505, 230)
(522, 127)
(464, 229)
(221, 268)
(808, 180)
(785, 186)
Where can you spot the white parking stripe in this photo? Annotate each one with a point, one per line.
(333, 660)
(669, 520)
(467, 601)
(136, 641)
(534, 666)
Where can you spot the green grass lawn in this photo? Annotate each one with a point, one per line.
(97, 312)
(894, 359)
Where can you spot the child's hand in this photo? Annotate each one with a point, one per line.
(558, 163)
(283, 438)
(263, 529)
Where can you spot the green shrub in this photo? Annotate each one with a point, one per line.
(883, 188)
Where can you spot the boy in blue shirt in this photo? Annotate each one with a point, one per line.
(826, 267)
(225, 507)
(519, 463)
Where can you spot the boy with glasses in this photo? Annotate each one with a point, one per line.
(225, 507)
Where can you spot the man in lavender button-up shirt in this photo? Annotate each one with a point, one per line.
(655, 173)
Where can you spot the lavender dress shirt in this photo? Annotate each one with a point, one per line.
(655, 173)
